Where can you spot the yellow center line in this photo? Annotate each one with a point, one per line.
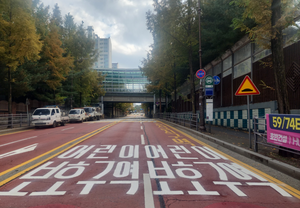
(89, 135)
(15, 132)
(284, 186)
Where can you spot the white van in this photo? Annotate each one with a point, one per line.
(77, 115)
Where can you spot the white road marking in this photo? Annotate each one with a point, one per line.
(19, 151)
(141, 128)
(142, 139)
(149, 201)
(17, 141)
(67, 129)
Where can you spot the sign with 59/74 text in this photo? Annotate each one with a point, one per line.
(284, 130)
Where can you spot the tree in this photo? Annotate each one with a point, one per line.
(271, 17)
(58, 65)
(83, 84)
(18, 39)
(173, 29)
(217, 33)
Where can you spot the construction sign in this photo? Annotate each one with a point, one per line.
(247, 87)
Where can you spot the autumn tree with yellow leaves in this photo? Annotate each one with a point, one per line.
(19, 41)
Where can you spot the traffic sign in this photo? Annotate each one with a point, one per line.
(217, 80)
(209, 80)
(200, 74)
(209, 91)
(247, 87)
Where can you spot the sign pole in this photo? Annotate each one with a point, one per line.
(247, 87)
(249, 122)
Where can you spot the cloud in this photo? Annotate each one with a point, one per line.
(124, 21)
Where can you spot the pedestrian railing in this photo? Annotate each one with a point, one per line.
(260, 137)
(185, 119)
(14, 120)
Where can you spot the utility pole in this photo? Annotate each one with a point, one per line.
(201, 97)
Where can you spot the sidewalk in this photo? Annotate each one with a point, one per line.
(238, 141)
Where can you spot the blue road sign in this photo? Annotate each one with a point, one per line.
(209, 91)
(217, 80)
(200, 74)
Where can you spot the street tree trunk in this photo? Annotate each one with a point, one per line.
(278, 60)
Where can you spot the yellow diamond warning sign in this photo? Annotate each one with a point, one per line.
(247, 87)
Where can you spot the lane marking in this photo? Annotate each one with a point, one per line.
(142, 139)
(81, 139)
(15, 132)
(289, 189)
(68, 128)
(149, 201)
(141, 128)
(19, 151)
(18, 141)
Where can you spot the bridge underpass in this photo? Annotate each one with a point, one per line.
(125, 86)
(110, 99)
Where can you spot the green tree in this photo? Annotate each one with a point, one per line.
(18, 39)
(271, 17)
(83, 84)
(217, 33)
(172, 25)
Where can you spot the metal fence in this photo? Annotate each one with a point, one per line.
(184, 119)
(14, 120)
(260, 137)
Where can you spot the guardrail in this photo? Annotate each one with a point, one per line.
(14, 120)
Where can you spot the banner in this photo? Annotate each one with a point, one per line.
(284, 130)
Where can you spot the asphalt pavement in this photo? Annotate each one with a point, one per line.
(237, 141)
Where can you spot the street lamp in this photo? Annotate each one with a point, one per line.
(201, 96)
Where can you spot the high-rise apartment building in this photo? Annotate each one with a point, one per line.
(103, 45)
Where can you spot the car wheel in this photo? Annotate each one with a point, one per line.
(81, 120)
(54, 124)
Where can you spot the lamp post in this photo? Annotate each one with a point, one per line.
(201, 97)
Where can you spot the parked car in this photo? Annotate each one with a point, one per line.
(78, 114)
(48, 116)
(93, 113)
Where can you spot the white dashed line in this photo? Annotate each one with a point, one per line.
(142, 139)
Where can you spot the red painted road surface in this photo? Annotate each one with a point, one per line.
(134, 164)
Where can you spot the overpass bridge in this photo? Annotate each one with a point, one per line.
(125, 85)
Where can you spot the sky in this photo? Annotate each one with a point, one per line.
(124, 21)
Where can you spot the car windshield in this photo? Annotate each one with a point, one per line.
(74, 112)
(88, 110)
(40, 112)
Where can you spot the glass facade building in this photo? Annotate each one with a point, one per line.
(124, 80)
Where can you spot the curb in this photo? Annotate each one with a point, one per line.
(270, 162)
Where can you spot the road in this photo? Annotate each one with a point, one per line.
(133, 162)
